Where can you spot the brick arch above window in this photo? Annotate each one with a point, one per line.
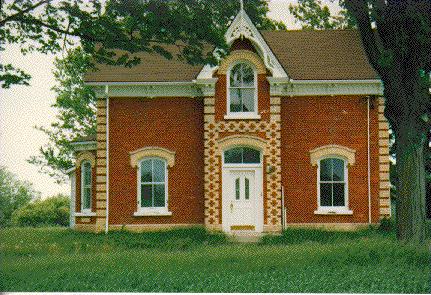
(242, 55)
(332, 150)
(145, 152)
(241, 140)
(86, 156)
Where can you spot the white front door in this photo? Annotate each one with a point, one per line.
(241, 199)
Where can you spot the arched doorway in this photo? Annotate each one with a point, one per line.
(242, 181)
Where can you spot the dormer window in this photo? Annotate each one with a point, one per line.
(242, 91)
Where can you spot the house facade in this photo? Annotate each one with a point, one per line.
(287, 130)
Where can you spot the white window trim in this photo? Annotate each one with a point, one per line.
(334, 210)
(151, 211)
(241, 115)
(86, 211)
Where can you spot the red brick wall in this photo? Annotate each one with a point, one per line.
(311, 122)
(78, 194)
(172, 123)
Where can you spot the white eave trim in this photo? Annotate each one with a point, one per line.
(289, 87)
(84, 146)
(195, 88)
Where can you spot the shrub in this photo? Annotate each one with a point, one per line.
(50, 211)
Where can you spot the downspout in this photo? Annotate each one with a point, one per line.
(369, 160)
(107, 159)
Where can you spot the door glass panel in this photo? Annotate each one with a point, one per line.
(251, 156)
(233, 156)
(247, 189)
(237, 192)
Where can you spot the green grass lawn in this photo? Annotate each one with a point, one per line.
(56, 259)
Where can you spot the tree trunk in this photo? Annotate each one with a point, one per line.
(410, 209)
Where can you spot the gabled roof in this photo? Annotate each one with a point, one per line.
(298, 55)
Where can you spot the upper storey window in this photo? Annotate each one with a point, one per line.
(242, 91)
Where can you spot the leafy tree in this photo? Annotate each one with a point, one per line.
(50, 211)
(14, 194)
(101, 26)
(396, 37)
(76, 107)
(313, 15)
(75, 101)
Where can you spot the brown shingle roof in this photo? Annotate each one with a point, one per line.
(305, 55)
(320, 55)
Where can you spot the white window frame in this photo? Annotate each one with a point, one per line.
(152, 211)
(83, 186)
(244, 165)
(242, 115)
(329, 210)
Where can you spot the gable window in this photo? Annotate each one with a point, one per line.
(332, 186)
(152, 186)
(86, 186)
(242, 91)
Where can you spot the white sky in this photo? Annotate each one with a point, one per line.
(23, 107)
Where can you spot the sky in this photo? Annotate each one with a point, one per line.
(23, 107)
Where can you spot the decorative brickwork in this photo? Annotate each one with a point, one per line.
(270, 132)
(101, 166)
(243, 55)
(384, 162)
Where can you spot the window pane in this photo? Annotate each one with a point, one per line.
(159, 195)
(338, 169)
(87, 198)
(235, 76)
(251, 155)
(233, 156)
(325, 194)
(146, 195)
(338, 194)
(325, 170)
(237, 189)
(247, 189)
(235, 100)
(247, 76)
(146, 171)
(87, 173)
(159, 171)
(247, 100)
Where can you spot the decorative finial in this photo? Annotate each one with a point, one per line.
(242, 4)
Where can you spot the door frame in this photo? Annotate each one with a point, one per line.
(226, 217)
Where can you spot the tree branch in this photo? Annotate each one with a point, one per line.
(21, 12)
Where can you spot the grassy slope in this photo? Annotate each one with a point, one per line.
(192, 260)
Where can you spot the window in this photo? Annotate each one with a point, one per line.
(86, 183)
(242, 90)
(242, 155)
(332, 185)
(152, 184)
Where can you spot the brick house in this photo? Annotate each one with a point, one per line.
(288, 130)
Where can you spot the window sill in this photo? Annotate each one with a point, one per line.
(242, 117)
(153, 213)
(333, 212)
(85, 214)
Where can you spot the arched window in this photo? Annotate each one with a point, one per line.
(242, 90)
(242, 155)
(152, 184)
(332, 185)
(86, 186)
